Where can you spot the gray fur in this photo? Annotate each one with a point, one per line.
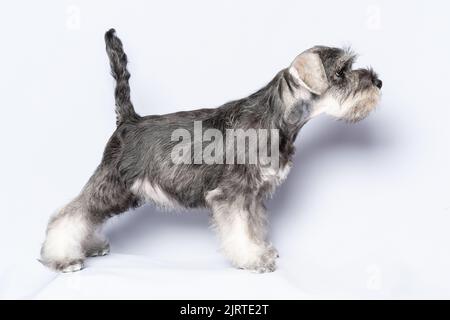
(118, 61)
(140, 147)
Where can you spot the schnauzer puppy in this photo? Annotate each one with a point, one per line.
(138, 164)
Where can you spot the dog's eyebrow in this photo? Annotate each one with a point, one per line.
(351, 59)
(346, 60)
(349, 56)
(349, 62)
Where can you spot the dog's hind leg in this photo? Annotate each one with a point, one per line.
(66, 233)
(72, 232)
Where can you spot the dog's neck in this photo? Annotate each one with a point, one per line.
(282, 104)
(289, 106)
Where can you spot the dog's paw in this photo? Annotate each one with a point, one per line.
(99, 252)
(96, 247)
(266, 267)
(272, 251)
(256, 257)
(64, 265)
(73, 267)
(266, 262)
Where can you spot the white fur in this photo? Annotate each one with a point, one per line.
(237, 243)
(154, 193)
(65, 238)
(73, 267)
(331, 106)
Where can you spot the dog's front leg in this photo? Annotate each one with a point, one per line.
(241, 226)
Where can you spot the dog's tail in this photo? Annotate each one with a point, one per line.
(118, 61)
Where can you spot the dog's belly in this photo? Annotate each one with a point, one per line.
(186, 197)
(152, 192)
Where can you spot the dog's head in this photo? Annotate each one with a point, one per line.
(338, 89)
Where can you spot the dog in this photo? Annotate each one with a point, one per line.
(138, 164)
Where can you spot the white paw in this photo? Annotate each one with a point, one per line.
(271, 251)
(266, 264)
(262, 263)
(73, 267)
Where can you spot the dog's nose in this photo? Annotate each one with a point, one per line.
(378, 83)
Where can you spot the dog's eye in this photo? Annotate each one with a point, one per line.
(339, 74)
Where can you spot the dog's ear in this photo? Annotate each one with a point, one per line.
(308, 69)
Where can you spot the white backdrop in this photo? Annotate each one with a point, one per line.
(365, 213)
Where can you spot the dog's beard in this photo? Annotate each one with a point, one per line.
(351, 108)
(359, 106)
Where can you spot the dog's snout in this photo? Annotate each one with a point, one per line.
(378, 83)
